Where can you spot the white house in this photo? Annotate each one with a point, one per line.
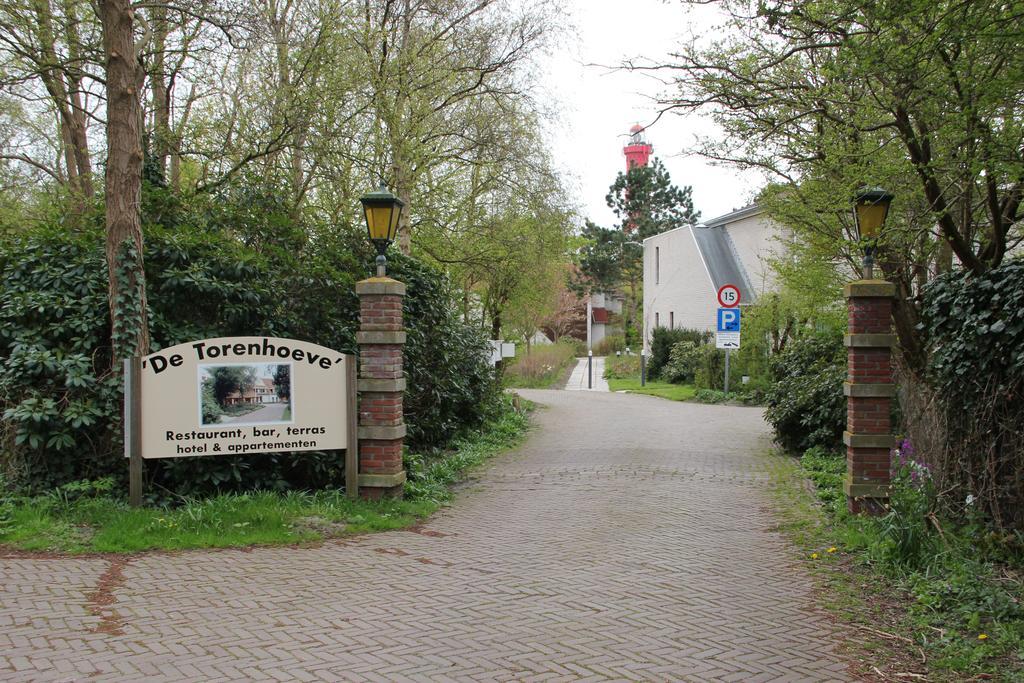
(684, 268)
(601, 306)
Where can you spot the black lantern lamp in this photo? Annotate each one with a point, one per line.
(382, 210)
(870, 208)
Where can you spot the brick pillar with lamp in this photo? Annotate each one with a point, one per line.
(870, 387)
(381, 338)
(381, 385)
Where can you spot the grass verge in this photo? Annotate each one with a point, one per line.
(674, 392)
(543, 367)
(84, 518)
(956, 617)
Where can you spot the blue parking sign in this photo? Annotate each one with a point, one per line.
(729, 319)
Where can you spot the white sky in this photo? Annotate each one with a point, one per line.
(598, 106)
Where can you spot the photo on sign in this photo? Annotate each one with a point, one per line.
(257, 393)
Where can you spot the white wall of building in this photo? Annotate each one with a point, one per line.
(677, 287)
(757, 241)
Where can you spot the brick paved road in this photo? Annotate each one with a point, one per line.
(627, 540)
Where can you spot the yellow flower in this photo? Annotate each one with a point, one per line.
(814, 556)
(832, 549)
(982, 636)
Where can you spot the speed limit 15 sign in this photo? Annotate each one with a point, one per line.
(729, 296)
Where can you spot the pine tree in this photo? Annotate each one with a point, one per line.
(646, 203)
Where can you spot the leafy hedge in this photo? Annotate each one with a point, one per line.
(805, 403)
(975, 330)
(61, 404)
(662, 341)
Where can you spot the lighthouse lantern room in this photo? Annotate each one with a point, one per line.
(638, 151)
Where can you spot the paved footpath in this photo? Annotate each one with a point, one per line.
(627, 540)
(578, 378)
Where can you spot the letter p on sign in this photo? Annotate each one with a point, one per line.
(728, 320)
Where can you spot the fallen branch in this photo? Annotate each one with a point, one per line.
(883, 634)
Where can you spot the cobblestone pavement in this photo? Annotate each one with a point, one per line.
(627, 540)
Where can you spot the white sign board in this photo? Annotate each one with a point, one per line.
(236, 395)
(727, 340)
(501, 349)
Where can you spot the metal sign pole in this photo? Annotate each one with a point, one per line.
(643, 368)
(590, 371)
(727, 371)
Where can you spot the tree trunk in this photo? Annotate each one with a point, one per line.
(65, 91)
(634, 305)
(495, 323)
(162, 135)
(906, 317)
(404, 192)
(80, 146)
(126, 277)
(79, 118)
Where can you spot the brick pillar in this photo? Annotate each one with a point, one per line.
(381, 385)
(869, 389)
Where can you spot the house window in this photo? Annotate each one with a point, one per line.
(657, 265)
(657, 320)
(672, 319)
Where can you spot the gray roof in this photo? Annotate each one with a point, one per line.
(733, 216)
(722, 262)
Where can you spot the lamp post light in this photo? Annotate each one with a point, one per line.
(382, 210)
(870, 385)
(378, 471)
(870, 209)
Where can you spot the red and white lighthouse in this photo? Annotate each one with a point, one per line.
(638, 151)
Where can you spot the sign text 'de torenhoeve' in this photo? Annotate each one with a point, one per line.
(236, 395)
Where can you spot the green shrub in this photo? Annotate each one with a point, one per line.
(62, 405)
(710, 371)
(959, 583)
(805, 404)
(683, 361)
(907, 538)
(210, 406)
(542, 366)
(662, 341)
(622, 367)
(974, 325)
(710, 396)
(579, 347)
(609, 345)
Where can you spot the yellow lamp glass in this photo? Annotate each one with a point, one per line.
(382, 211)
(870, 218)
(870, 210)
(378, 222)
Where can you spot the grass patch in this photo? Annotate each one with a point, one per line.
(543, 367)
(229, 520)
(430, 479)
(951, 613)
(674, 392)
(241, 409)
(84, 517)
